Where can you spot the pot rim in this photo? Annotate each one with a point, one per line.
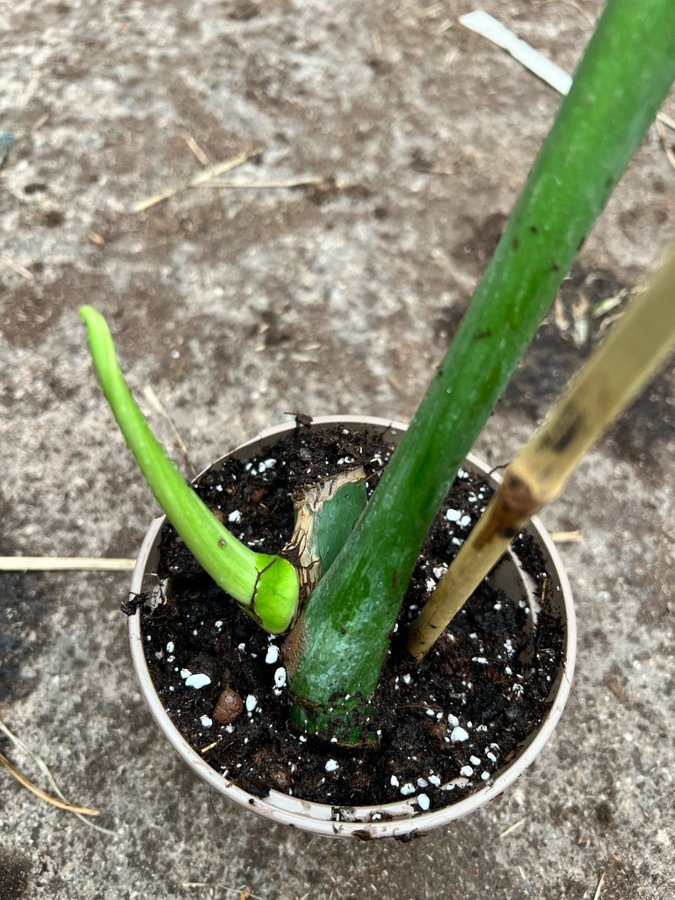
(399, 818)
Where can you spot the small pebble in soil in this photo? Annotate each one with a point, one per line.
(228, 708)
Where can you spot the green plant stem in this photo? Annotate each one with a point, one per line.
(265, 586)
(340, 641)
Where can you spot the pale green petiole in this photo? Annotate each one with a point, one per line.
(265, 586)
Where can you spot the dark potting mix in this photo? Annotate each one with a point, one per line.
(446, 726)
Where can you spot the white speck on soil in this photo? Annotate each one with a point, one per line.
(408, 789)
(234, 516)
(459, 734)
(394, 782)
(464, 521)
(272, 654)
(435, 780)
(241, 647)
(422, 782)
(431, 584)
(453, 720)
(479, 659)
(439, 571)
(331, 765)
(474, 760)
(466, 771)
(430, 712)
(407, 679)
(197, 681)
(185, 673)
(218, 624)
(251, 703)
(280, 677)
(453, 515)
(206, 721)
(170, 647)
(423, 802)
(485, 776)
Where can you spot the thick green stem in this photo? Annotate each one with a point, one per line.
(340, 641)
(265, 586)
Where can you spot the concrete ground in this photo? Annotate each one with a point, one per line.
(237, 305)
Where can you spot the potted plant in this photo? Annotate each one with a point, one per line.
(341, 603)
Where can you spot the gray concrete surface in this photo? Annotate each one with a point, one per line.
(238, 305)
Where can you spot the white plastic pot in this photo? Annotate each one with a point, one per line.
(399, 819)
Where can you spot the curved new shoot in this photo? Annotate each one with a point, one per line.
(265, 586)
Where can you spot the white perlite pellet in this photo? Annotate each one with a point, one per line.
(206, 721)
(234, 516)
(280, 677)
(272, 654)
(466, 771)
(459, 734)
(423, 801)
(197, 681)
(331, 765)
(251, 702)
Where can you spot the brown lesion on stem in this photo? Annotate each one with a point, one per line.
(301, 550)
(294, 647)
